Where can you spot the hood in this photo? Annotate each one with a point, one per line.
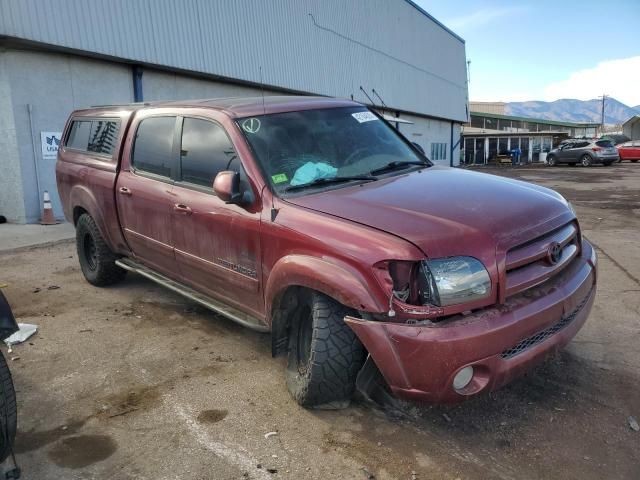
(447, 211)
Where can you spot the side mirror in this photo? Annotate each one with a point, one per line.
(418, 147)
(227, 187)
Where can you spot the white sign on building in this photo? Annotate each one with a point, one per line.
(50, 142)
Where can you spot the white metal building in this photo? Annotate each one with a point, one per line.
(60, 55)
(631, 128)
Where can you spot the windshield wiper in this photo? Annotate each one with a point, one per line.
(329, 180)
(397, 165)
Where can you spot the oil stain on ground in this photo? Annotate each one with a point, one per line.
(131, 400)
(82, 450)
(212, 416)
(33, 440)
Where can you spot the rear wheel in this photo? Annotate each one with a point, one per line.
(97, 261)
(586, 161)
(634, 161)
(324, 353)
(551, 161)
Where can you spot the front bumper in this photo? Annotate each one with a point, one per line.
(501, 343)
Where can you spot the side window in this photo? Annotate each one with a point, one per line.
(103, 136)
(79, 135)
(153, 147)
(580, 145)
(205, 151)
(636, 144)
(97, 136)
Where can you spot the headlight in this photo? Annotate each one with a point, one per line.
(454, 280)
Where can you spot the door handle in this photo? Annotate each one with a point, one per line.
(125, 191)
(180, 208)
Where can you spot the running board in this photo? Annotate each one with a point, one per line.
(188, 292)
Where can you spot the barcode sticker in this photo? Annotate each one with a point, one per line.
(362, 117)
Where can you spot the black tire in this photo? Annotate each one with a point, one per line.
(586, 161)
(325, 355)
(607, 164)
(551, 161)
(633, 161)
(8, 410)
(97, 261)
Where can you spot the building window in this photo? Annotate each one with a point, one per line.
(477, 122)
(438, 151)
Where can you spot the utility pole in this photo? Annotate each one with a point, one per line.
(604, 96)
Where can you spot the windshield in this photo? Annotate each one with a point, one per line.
(303, 147)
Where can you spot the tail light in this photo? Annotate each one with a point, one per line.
(596, 149)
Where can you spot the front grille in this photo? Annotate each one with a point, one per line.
(529, 265)
(541, 336)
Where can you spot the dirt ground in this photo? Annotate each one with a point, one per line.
(133, 381)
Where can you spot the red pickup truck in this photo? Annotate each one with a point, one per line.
(315, 220)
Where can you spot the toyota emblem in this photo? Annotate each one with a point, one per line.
(554, 253)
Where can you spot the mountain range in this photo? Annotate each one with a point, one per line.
(571, 110)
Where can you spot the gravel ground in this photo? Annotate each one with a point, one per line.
(133, 381)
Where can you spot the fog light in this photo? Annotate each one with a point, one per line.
(462, 378)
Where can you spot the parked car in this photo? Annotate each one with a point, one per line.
(584, 152)
(315, 220)
(629, 151)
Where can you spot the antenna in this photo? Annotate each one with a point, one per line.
(373, 90)
(373, 104)
(264, 110)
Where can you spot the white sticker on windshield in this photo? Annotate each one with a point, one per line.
(362, 117)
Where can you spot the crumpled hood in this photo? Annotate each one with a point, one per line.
(446, 211)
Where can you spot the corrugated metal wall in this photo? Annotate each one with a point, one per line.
(328, 47)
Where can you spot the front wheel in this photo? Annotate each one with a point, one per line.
(8, 410)
(324, 353)
(633, 161)
(586, 161)
(97, 261)
(551, 161)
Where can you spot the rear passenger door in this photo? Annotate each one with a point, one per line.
(143, 193)
(217, 245)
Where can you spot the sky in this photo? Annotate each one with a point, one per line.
(547, 50)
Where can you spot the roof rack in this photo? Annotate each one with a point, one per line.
(132, 104)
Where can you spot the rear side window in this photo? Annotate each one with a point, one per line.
(580, 145)
(79, 135)
(103, 136)
(205, 151)
(153, 148)
(97, 136)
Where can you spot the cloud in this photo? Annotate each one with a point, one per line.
(618, 78)
(481, 18)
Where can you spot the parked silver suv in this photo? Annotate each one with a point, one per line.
(586, 152)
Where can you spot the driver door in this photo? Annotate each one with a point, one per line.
(217, 246)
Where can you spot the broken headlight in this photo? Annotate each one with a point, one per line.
(452, 281)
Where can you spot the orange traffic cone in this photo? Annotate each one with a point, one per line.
(47, 211)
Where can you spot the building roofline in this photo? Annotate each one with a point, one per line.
(435, 20)
(536, 120)
(632, 119)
